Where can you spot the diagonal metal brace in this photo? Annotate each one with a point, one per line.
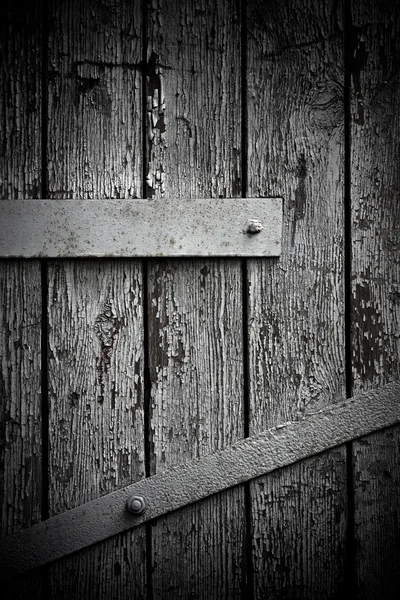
(187, 483)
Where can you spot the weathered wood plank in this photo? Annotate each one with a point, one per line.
(20, 99)
(375, 132)
(195, 350)
(377, 501)
(303, 549)
(94, 97)
(95, 309)
(20, 484)
(196, 480)
(20, 407)
(296, 326)
(137, 228)
(20, 290)
(96, 407)
(95, 379)
(195, 344)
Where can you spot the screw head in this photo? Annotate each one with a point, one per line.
(254, 226)
(136, 505)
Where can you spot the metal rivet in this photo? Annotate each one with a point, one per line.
(136, 505)
(254, 226)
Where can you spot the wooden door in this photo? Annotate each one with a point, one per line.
(116, 369)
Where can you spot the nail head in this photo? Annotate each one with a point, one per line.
(136, 505)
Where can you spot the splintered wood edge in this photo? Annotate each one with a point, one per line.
(141, 228)
(187, 483)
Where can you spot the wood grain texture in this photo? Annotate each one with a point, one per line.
(20, 485)
(20, 99)
(20, 284)
(95, 309)
(96, 406)
(195, 343)
(193, 99)
(295, 97)
(117, 567)
(95, 379)
(377, 501)
(20, 409)
(196, 351)
(303, 511)
(198, 551)
(296, 309)
(376, 284)
(94, 99)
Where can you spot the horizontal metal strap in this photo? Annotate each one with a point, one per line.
(127, 228)
(195, 480)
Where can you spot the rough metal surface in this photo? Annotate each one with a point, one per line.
(124, 228)
(184, 484)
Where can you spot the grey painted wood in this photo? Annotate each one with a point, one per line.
(20, 308)
(376, 285)
(290, 505)
(20, 293)
(20, 407)
(295, 76)
(141, 228)
(377, 501)
(95, 307)
(195, 306)
(94, 99)
(95, 379)
(20, 100)
(246, 459)
(96, 420)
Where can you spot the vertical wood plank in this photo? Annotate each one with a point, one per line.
(96, 307)
(96, 412)
(375, 131)
(195, 307)
(298, 512)
(296, 303)
(94, 96)
(20, 284)
(20, 99)
(20, 409)
(20, 395)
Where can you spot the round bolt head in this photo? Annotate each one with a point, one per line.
(254, 226)
(136, 505)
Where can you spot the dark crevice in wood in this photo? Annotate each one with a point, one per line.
(350, 564)
(248, 575)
